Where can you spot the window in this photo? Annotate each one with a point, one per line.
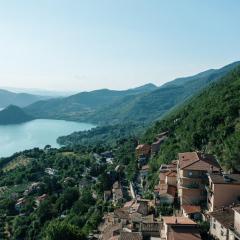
(214, 226)
(221, 233)
(190, 174)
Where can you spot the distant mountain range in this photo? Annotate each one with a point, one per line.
(144, 104)
(19, 99)
(154, 104)
(40, 92)
(77, 107)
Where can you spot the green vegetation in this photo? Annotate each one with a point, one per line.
(77, 107)
(153, 105)
(13, 115)
(107, 135)
(209, 122)
(72, 178)
(106, 107)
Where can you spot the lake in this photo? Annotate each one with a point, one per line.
(36, 133)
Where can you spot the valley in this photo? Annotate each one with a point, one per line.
(126, 178)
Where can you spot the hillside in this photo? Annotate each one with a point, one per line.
(144, 104)
(208, 122)
(151, 106)
(78, 106)
(13, 115)
(18, 99)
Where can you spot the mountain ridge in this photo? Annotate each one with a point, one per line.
(143, 104)
(18, 99)
(13, 115)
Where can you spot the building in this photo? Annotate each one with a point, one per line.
(179, 228)
(143, 150)
(222, 224)
(192, 211)
(130, 236)
(40, 199)
(236, 226)
(165, 191)
(192, 177)
(150, 229)
(155, 147)
(20, 204)
(223, 190)
(117, 193)
(107, 195)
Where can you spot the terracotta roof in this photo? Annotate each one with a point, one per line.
(225, 216)
(183, 233)
(130, 236)
(121, 213)
(191, 209)
(109, 231)
(198, 161)
(225, 179)
(171, 220)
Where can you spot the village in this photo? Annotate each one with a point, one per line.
(191, 190)
(193, 198)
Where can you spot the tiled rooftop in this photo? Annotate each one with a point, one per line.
(130, 236)
(198, 161)
(183, 233)
(191, 209)
(225, 216)
(225, 179)
(171, 220)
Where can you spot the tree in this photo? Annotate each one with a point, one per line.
(57, 230)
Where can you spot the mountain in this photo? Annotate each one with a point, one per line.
(209, 122)
(78, 106)
(153, 105)
(40, 92)
(145, 104)
(18, 99)
(13, 115)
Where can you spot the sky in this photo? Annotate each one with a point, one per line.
(77, 45)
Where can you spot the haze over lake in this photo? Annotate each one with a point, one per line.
(36, 133)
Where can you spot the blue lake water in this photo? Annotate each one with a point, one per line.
(36, 133)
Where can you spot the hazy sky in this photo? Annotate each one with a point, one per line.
(83, 45)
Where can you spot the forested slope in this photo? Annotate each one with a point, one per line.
(208, 122)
